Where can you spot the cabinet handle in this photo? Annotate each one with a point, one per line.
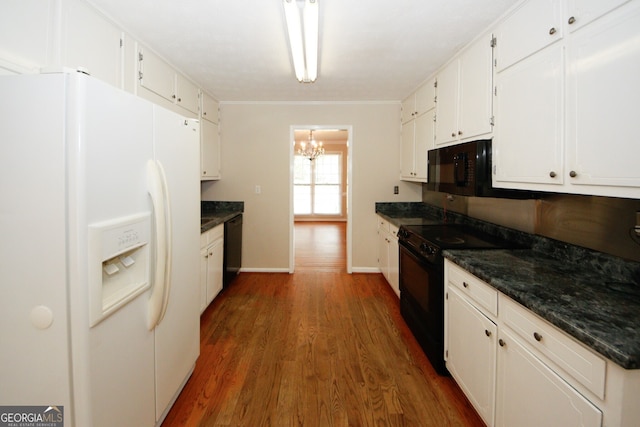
(501, 342)
(465, 284)
(179, 99)
(552, 31)
(571, 20)
(487, 332)
(459, 132)
(552, 174)
(573, 174)
(537, 336)
(173, 96)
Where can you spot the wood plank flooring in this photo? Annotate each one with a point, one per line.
(314, 348)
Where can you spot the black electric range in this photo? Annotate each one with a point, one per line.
(422, 278)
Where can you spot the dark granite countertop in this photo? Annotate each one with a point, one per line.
(593, 297)
(216, 213)
(597, 309)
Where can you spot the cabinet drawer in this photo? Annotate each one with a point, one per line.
(212, 235)
(581, 363)
(383, 224)
(481, 293)
(393, 230)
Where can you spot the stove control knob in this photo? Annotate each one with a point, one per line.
(427, 249)
(403, 234)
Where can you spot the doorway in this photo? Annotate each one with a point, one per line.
(320, 198)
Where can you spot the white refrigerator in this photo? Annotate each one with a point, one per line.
(99, 252)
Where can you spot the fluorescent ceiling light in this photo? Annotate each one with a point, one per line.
(304, 53)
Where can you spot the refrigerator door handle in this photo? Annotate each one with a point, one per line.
(157, 188)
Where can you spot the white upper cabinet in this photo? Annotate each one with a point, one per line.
(91, 43)
(528, 135)
(565, 114)
(602, 105)
(417, 132)
(464, 101)
(535, 25)
(26, 38)
(160, 78)
(209, 108)
(581, 12)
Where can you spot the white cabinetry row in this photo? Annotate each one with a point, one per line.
(554, 83)
(388, 259)
(519, 370)
(565, 99)
(211, 264)
(70, 33)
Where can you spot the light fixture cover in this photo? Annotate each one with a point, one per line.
(303, 40)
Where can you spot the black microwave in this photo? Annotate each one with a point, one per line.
(465, 169)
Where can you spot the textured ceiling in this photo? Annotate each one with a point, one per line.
(370, 50)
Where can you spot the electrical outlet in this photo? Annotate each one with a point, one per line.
(258, 189)
(396, 189)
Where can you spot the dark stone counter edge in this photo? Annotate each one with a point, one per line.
(214, 213)
(414, 212)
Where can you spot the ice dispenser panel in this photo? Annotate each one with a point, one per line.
(118, 263)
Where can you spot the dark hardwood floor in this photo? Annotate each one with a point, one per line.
(316, 348)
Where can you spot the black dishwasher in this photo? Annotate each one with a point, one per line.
(232, 249)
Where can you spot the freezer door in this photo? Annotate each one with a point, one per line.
(110, 139)
(177, 336)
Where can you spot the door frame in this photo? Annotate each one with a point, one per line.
(349, 179)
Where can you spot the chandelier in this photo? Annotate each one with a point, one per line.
(311, 149)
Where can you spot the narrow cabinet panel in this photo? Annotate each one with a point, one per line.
(605, 64)
(471, 352)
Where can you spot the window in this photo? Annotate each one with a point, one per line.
(316, 185)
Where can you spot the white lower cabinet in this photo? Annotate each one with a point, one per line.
(211, 265)
(388, 258)
(517, 369)
(530, 394)
(471, 352)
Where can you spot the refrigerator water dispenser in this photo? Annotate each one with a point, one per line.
(118, 263)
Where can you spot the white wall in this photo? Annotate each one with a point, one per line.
(255, 150)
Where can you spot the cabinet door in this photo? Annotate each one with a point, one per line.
(471, 353)
(529, 394)
(383, 252)
(582, 12)
(209, 150)
(204, 257)
(214, 269)
(407, 167)
(394, 262)
(408, 109)
(528, 132)
(602, 103)
(476, 90)
(447, 104)
(209, 108)
(425, 97)
(533, 26)
(26, 34)
(423, 142)
(91, 42)
(187, 94)
(156, 75)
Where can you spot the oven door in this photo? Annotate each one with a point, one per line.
(422, 303)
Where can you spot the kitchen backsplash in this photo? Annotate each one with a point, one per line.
(604, 224)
